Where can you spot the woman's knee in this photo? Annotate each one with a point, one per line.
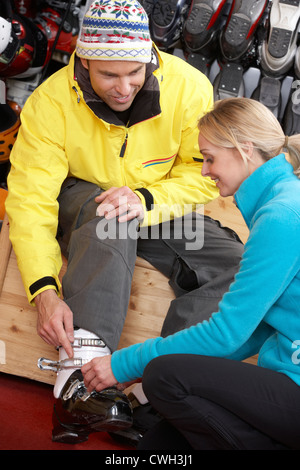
(157, 377)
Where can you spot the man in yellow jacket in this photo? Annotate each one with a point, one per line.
(108, 148)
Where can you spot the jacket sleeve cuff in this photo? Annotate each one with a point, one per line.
(47, 282)
(148, 198)
(43, 282)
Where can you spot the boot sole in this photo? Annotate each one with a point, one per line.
(278, 52)
(164, 12)
(243, 22)
(202, 16)
(68, 434)
(284, 19)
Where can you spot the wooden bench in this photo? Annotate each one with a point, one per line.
(21, 347)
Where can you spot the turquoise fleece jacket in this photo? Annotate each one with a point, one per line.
(261, 311)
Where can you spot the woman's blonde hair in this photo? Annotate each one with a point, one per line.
(235, 121)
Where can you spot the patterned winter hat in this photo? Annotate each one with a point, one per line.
(115, 30)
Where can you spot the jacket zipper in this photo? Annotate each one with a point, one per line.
(76, 91)
(123, 148)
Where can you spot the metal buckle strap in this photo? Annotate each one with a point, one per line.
(94, 342)
(48, 364)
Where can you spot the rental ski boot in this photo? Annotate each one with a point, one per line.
(78, 413)
(201, 30)
(240, 38)
(148, 6)
(166, 22)
(279, 49)
(268, 92)
(291, 117)
(239, 42)
(297, 63)
(229, 83)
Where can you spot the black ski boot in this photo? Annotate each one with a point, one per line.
(77, 413)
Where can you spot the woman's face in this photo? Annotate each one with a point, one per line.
(224, 166)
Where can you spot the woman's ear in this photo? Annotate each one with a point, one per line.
(248, 148)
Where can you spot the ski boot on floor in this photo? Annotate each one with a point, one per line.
(78, 413)
(240, 38)
(201, 31)
(279, 49)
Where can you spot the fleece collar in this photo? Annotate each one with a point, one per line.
(258, 188)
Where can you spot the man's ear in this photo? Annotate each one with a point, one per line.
(84, 63)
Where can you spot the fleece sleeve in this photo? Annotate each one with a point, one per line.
(262, 279)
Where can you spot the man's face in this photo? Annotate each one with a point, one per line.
(116, 82)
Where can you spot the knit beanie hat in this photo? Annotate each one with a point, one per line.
(115, 30)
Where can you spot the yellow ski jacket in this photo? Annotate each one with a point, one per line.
(66, 130)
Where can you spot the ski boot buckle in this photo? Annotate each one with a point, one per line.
(48, 364)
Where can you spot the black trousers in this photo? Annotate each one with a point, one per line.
(210, 403)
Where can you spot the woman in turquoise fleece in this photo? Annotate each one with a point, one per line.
(195, 378)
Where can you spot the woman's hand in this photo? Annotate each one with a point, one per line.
(98, 374)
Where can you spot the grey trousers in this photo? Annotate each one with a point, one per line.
(101, 259)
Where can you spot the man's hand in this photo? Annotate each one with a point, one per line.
(55, 320)
(98, 374)
(120, 202)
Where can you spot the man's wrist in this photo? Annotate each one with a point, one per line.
(46, 294)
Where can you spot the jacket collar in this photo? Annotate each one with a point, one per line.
(258, 188)
(145, 106)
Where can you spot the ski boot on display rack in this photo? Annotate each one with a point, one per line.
(166, 22)
(148, 6)
(229, 82)
(279, 48)
(201, 31)
(291, 118)
(268, 92)
(240, 38)
(239, 46)
(78, 413)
